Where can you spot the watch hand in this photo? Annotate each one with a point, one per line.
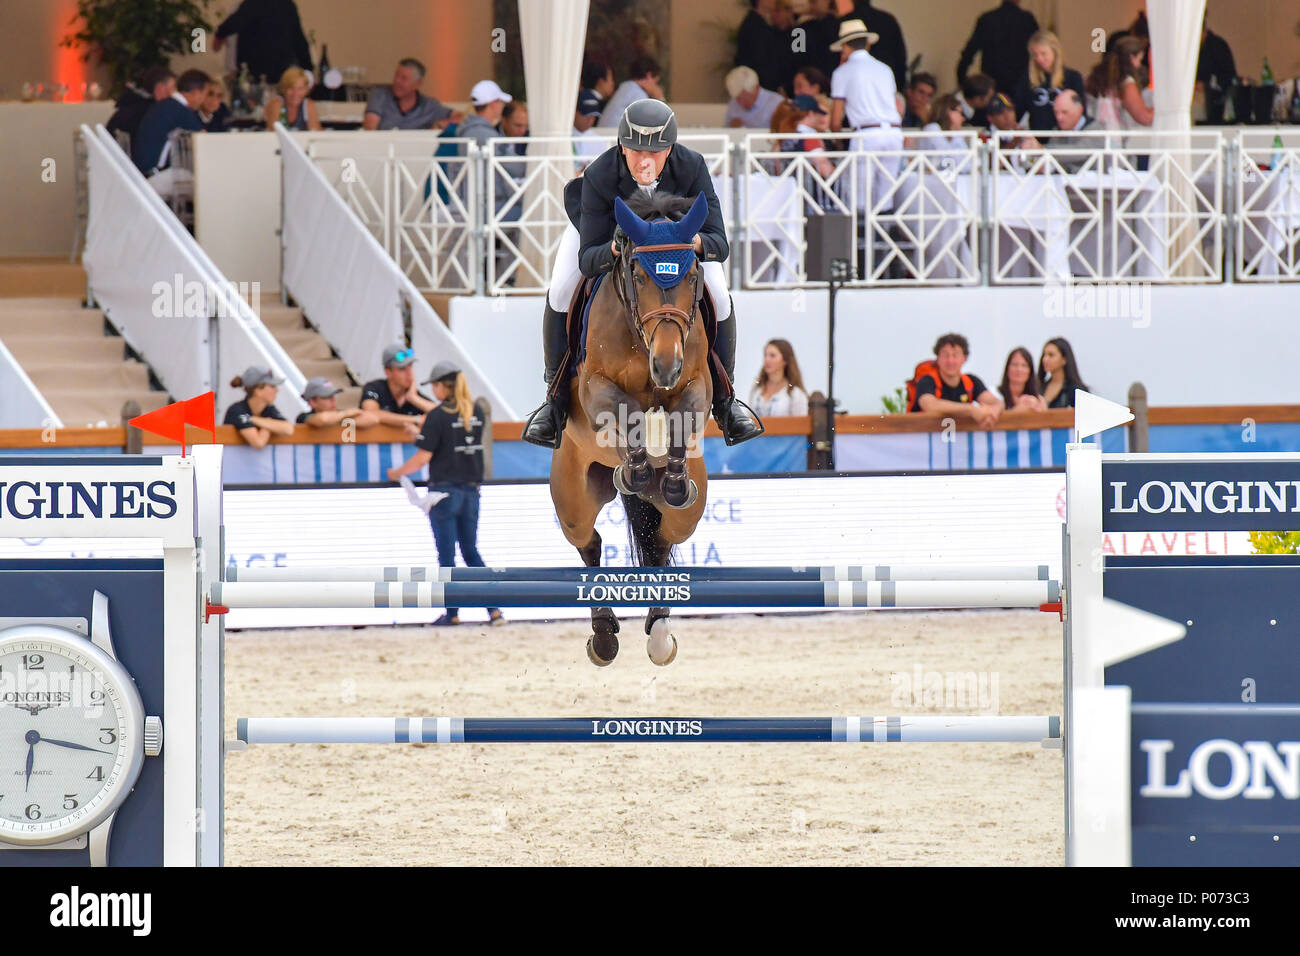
(31, 753)
(64, 743)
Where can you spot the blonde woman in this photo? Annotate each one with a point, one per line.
(1045, 80)
(291, 107)
(451, 444)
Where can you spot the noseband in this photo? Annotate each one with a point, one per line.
(681, 320)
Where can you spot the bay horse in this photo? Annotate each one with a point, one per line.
(639, 404)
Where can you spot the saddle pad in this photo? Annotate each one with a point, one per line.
(581, 353)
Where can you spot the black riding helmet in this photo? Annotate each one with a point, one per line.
(648, 125)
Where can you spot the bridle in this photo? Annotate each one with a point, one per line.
(627, 294)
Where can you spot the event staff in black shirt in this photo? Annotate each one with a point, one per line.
(256, 417)
(394, 399)
(451, 444)
(322, 395)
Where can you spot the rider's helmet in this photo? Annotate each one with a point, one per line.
(648, 125)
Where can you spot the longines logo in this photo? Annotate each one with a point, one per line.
(1197, 497)
(646, 728)
(633, 593)
(1257, 770)
(91, 499)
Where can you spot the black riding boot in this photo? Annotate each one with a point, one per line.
(737, 420)
(546, 425)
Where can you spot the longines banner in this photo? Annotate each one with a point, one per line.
(1201, 496)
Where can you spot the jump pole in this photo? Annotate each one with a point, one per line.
(608, 730)
(789, 594)
(838, 572)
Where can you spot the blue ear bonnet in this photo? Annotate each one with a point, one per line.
(670, 267)
(667, 267)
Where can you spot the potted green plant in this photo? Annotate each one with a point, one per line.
(130, 36)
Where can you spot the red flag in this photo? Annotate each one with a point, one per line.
(170, 420)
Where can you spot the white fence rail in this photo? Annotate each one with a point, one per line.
(928, 209)
(357, 293)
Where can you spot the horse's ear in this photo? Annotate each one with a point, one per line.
(636, 228)
(690, 224)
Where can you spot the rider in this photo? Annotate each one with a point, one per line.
(646, 157)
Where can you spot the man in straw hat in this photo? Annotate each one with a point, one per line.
(864, 98)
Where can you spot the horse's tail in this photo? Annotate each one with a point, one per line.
(643, 520)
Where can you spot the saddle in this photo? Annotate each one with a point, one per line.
(576, 320)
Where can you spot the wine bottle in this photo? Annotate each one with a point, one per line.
(1266, 75)
(1294, 116)
(1276, 159)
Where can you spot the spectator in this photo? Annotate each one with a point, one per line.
(291, 107)
(598, 79)
(322, 395)
(863, 97)
(587, 145)
(975, 95)
(810, 81)
(1126, 80)
(946, 117)
(270, 37)
(943, 387)
(1215, 66)
(642, 83)
(1020, 389)
(804, 115)
(1058, 374)
(821, 26)
(401, 105)
(1001, 38)
(751, 105)
(1046, 77)
(394, 398)
(890, 49)
(514, 123)
(489, 102)
(1002, 123)
(779, 388)
(784, 60)
(256, 416)
(918, 95)
(150, 148)
(214, 113)
(157, 84)
(754, 38)
(1074, 152)
(451, 444)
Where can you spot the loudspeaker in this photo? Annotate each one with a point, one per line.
(829, 237)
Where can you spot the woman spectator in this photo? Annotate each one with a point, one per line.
(810, 81)
(451, 444)
(1118, 97)
(291, 107)
(946, 116)
(779, 388)
(256, 417)
(1046, 78)
(1058, 374)
(1020, 389)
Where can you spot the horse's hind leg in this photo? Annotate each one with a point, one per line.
(661, 644)
(602, 646)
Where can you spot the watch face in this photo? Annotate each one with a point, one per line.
(71, 734)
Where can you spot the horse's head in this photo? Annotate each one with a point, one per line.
(660, 280)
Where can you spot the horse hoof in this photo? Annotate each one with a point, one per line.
(630, 487)
(661, 645)
(602, 649)
(681, 499)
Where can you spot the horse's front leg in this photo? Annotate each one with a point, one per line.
(619, 423)
(686, 423)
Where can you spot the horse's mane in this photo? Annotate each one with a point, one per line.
(659, 206)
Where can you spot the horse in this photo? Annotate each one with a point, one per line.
(638, 405)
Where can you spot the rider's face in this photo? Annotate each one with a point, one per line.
(644, 165)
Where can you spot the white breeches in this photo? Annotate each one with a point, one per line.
(565, 277)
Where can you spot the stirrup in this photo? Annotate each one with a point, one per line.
(544, 418)
(730, 413)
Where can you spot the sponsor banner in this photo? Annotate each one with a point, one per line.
(112, 496)
(1227, 775)
(1204, 496)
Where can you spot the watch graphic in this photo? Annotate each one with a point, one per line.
(73, 735)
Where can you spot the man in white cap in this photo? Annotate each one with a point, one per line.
(751, 105)
(489, 102)
(322, 396)
(864, 98)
